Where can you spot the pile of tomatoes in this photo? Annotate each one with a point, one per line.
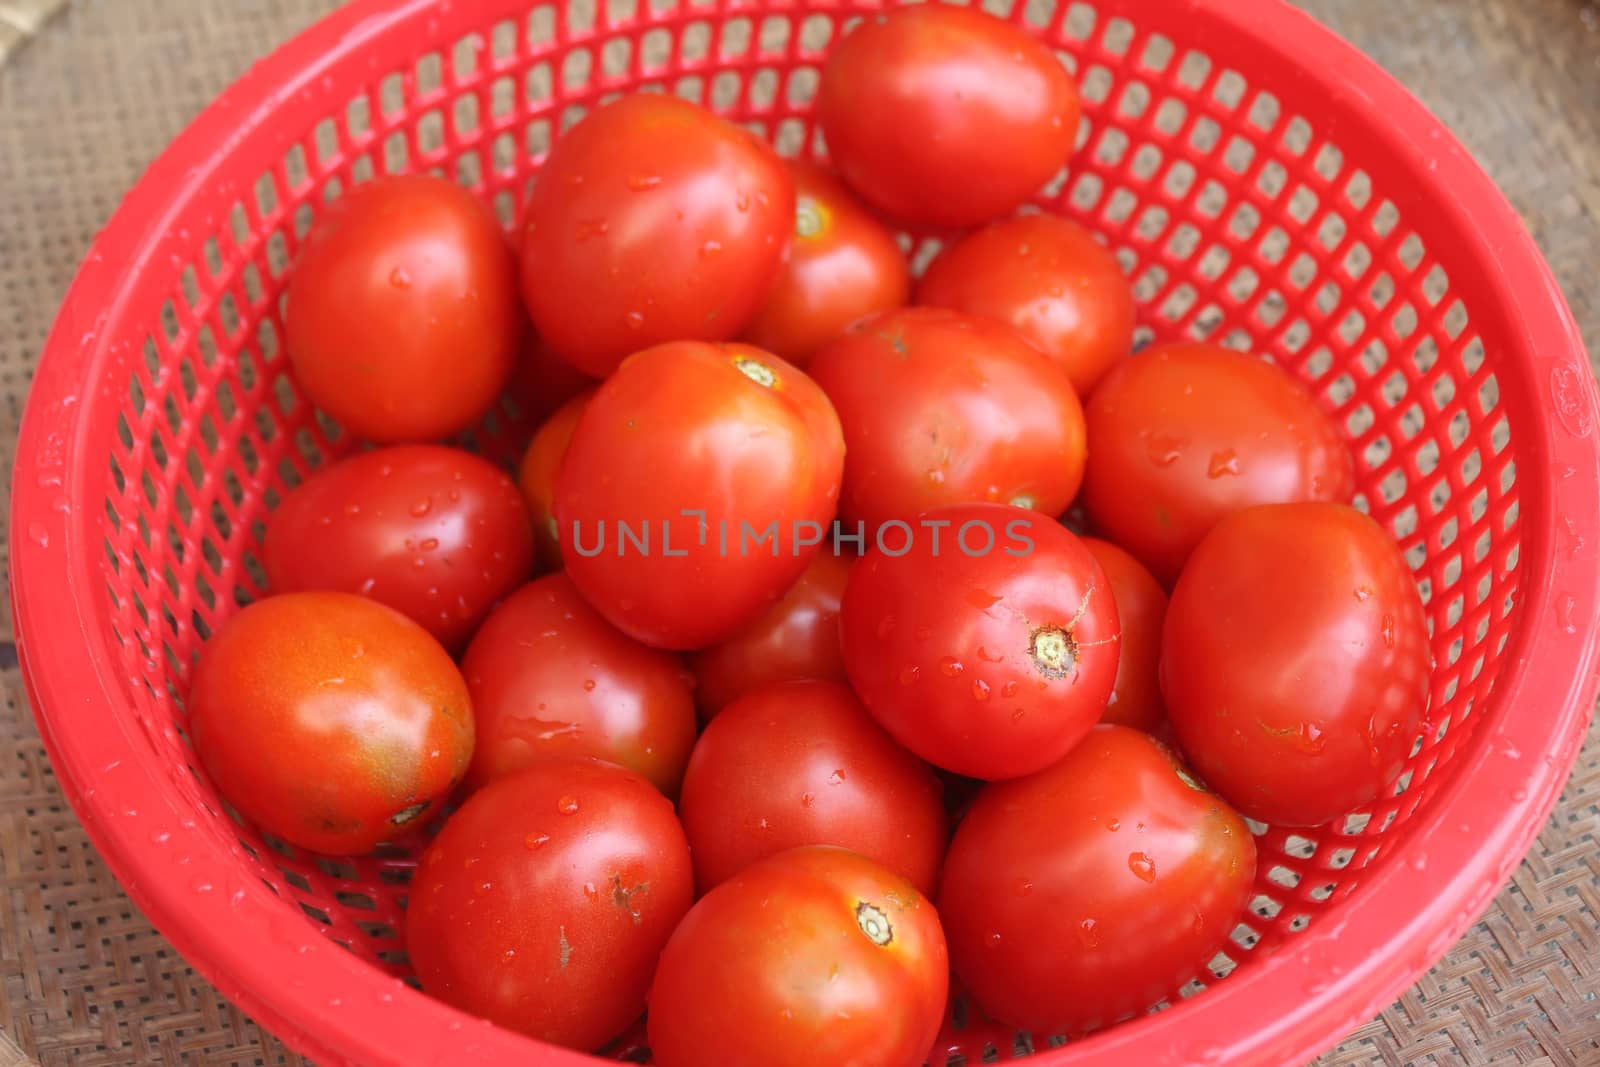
(818, 698)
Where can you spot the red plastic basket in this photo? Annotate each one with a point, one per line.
(1263, 184)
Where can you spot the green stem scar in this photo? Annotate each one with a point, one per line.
(756, 371)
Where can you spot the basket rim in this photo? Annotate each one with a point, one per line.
(1354, 960)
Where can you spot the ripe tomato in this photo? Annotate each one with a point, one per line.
(652, 221)
(844, 266)
(1183, 434)
(946, 116)
(544, 902)
(550, 677)
(435, 533)
(797, 638)
(1295, 661)
(1141, 607)
(815, 955)
(403, 321)
(329, 720)
(802, 763)
(1093, 888)
(983, 647)
(687, 457)
(543, 382)
(537, 476)
(1048, 277)
(940, 408)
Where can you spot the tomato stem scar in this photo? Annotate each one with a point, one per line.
(874, 923)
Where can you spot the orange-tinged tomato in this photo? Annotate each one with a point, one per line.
(537, 477)
(329, 720)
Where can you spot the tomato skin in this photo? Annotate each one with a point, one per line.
(329, 720)
(775, 967)
(436, 533)
(1050, 279)
(797, 638)
(802, 763)
(536, 476)
(940, 408)
(1093, 888)
(994, 665)
(1002, 109)
(727, 430)
(543, 903)
(1295, 661)
(652, 221)
(844, 266)
(549, 677)
(1141, 608)
(1183, 434)
(403, 320)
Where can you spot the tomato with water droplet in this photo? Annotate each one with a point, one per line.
(1108, 925)
(775, 747)
(1295, 661)
(588, 875)
(1043, 640)
(815, 955)
(436, 533)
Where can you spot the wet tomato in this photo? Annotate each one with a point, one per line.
(435, 533)
(1141, 608)
(946, 116)
(802, 763)
(815, 955)
(941, 408)
(1049, 278)
(544, 902)
(653, 220)
(797, 638)
(844, 266)
(1094, 888)
(1181, 435)
(537, 477)
(1295, 661)
(329, 720)
(697, 486)
(550, 677)
(989, 646)
(403, 321)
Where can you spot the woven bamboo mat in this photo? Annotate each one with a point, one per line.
(89, 96)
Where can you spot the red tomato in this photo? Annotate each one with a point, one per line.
(550, 677)
(1048, 277)
(844, 266)
(1141, 607)
(802, 763)
(1094, 888)
(435, 533)
(737, 438)
(982, 648)
(1295, 661)
(946, 116)
(940, 408)
(797, 638)
(815, 955)
(652, 221)
(329, 720)
(544, 382)
(537, 476)
(403, 321)
(544, 902)
(1183, 434)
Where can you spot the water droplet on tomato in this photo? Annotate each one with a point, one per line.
(567, 805)
(980, 690)
(640, 182)
(588, 685)
(634, 320)
(1224, 461)
(837, 777)
(421, 507)
(711, 250)
(533, 841)
(910, 674)
(1089, 933)
(1142, 866)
